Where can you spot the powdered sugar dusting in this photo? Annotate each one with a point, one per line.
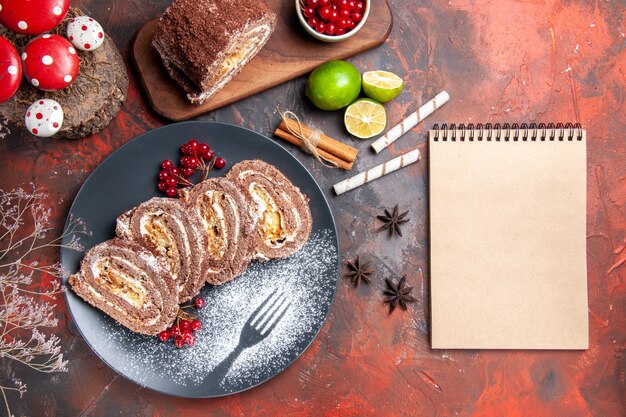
(308, 279)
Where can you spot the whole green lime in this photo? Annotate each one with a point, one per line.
(333, 85)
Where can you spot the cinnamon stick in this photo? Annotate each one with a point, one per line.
(347, 165)
(326, 143)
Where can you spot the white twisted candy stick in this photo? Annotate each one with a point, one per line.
(377, 172)
(410, 121)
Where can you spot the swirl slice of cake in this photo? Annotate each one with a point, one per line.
(282, 211)
(130, 284)
(203, 44)
(225, 219)
(170, 230)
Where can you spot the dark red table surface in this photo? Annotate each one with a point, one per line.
(523, 61)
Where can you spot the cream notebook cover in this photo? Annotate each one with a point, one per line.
(508, 238)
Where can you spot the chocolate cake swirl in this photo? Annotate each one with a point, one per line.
(130, 284)
(225, 219)
(203, 44)
(172, 231)
(283, 216)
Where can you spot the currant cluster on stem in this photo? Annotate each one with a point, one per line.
(186, 324)
(333, 17)
(195, 156)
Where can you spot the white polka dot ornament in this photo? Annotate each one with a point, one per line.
(44, 118)
(85, 33)
(50, 62)
(32, 17)
(10, 70)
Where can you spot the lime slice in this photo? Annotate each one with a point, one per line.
(382, 86)
(365, 118)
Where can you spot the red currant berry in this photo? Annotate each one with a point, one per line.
(185, 325)
(199, 302)
(220, 163)
(356, 17)
(360, 6)
(343, 4)
(171, 192)
(351, 5)
(193, 146)
(164, 336)
(190, 340)
(163, 175)
(171, 182)
(203, 148)
(324, 3)
(193, 162)
(343, 23)
(333, 5)
(162, 186)
(312, 22)
(186, 333)
(187, 172)
(196, 325)
(185, 149)
(351, 24)
(183, 161)
(167, 164)
(174, 171)
(208, 155)
(308, 12)
(334, 16)
(313, 3)
(344, 13)
(320, 27)
(325, 12)
(175, 330)
(340, 31)
(179, 342)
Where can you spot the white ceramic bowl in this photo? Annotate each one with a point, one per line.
(329, 38)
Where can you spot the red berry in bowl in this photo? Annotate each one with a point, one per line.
(334, 16)
(340, 31)
(162, 186)
(199, 302)
(343, 4)
(313, 3)
(179, 342)
(351, 5)
(196, 325)
(308, 12)
(220, 163)
(325, 12)
(344, 13)
(171, 192)
(360, 6)
(331, 28)
(167, 164)
(356, 17)
(324, 3)
(312, 22)
(164, 336)
(320, 27)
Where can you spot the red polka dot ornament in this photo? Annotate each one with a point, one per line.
(44, 118)
(10, 70)
(85, 33)
(50, 62)
(32, 17)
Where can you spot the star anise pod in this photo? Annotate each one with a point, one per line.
(398, 294)
(393, 220)
(358, 271)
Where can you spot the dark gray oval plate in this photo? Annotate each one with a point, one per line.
(128, 177)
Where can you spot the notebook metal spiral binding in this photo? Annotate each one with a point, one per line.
(508, 132)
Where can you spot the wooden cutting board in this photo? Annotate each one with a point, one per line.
(289, 53)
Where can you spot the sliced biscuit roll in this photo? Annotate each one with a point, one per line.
(128, 283)
(170, 230)
(222, 207)
(283, 217)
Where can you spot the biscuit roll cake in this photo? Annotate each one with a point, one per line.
(225, 220)
(130, 284)
(172, 231)
(283, 215)
(203, 44)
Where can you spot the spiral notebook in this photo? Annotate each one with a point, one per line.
(508, 237)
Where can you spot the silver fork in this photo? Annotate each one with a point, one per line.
(258, 326)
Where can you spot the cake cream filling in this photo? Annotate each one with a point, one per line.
(214, 221)
(271, 220)
(154, 227)
(108, 273)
